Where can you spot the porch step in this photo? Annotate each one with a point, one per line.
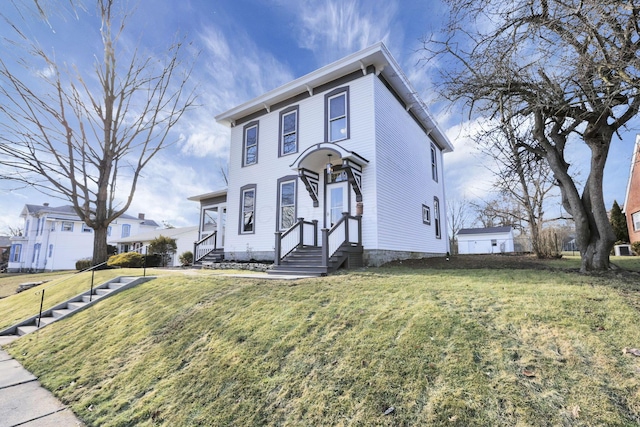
(308, 261)
(71, 306)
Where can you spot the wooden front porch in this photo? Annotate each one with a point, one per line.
(299, 251)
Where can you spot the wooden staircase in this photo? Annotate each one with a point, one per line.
(214, 256)
(307, 261)
(73, 305)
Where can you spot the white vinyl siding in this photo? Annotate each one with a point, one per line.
(402, 145)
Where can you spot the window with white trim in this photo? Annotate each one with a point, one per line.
(289, 131)
(66, 226)
(337, 110)
(434, 163)
(126, 230)
(26, 229)
(50, 250)
(247, 209)
(86, 228)
(109, 231)
(286, 204)
(436, 217)
(635, 218)
(250, 144)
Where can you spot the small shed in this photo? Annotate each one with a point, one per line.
(490, 240)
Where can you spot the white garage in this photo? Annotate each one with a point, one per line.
(491, 240)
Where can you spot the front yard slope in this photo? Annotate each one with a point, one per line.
(391, 348)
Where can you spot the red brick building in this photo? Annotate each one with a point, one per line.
(631, 207)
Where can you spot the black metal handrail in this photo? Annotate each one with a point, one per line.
(92, 269)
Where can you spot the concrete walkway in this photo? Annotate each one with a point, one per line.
(24, 402)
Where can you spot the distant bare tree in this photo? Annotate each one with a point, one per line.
(86, 142)
(519, 174)
(458, 216)
(571, 66)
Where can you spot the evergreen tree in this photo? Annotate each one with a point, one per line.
(619, 223)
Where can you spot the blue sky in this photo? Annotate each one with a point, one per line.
(248, 47)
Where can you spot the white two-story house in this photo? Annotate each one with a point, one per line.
(55, 238)
(342, 166)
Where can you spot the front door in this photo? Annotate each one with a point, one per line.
(338, 202)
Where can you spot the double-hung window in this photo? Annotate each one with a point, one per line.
(436, 217)
(126, 230)
(434, 163)
(337, 111)
(86, 228)
(14, 255)
(250, 144)
(286, 202)
(66, 226)
(247, 209)
(289, 131)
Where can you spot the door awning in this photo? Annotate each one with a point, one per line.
(316, 157)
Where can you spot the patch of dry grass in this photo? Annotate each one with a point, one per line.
(455, 348)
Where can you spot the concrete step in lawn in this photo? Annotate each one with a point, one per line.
(73, 305)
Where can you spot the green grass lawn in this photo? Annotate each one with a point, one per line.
(61, 286)
(446, 347)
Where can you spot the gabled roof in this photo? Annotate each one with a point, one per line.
(488, 230)
(634, 161)
(5, 241)
(377, 55)
(68, 212)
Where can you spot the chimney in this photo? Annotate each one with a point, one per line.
(141, 216)
(45, 204)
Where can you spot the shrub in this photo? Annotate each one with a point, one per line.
(83, 264)
(127, 259)
(154, 260)
(636, 247)
(186, 258)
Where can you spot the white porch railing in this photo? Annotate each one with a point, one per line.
(205, 246)
(302, 233)
(348, 230)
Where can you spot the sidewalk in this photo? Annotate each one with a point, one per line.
(23, 402)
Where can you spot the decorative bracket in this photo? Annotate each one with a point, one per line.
(311, 181)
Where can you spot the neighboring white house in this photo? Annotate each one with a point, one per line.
(184, 237)
(491, 240)
(350, 138)
(55, 237)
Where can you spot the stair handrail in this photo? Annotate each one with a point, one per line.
(41, 291)
(280, 235)
(196, 256)
(342, 223)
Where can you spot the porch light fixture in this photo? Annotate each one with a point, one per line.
(329, 165)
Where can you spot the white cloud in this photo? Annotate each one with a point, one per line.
(333, 29)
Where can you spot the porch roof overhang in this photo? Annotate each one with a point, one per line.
(211, 195)
(318, 155)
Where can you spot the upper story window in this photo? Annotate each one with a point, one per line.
(109, 231)
(52, 226)
(86, 228)
(434, 163)
(289, 131)
(126, 230)
(286, 202)
(247, 209)
(436, 217)
(67, 226)
(38, 226)
(337, 113)
(26, 229)
(250, 144)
